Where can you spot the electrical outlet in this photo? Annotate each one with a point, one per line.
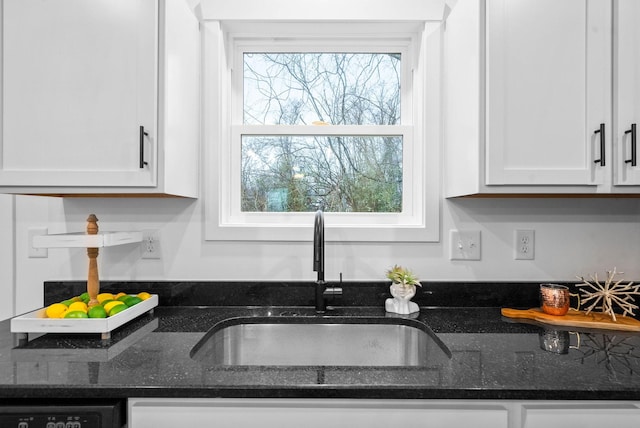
(465, 245)
(34, 252)
(524, 244)
(150, 246)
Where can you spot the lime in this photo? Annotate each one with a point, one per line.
(110, 305)
(132, 300)
(76, 314)
(117, 309)
(97, 312)
(56, 310)
(84, 297)
(123, 297)
(67, 302)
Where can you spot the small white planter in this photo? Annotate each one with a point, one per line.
(401, 302)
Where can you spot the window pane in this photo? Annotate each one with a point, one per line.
(334, 173)
(334, 88)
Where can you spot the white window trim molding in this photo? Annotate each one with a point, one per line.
(324, 10)
(418, 223)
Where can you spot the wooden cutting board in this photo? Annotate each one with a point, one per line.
(576, 319)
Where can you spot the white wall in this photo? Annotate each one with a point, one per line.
(573, 237)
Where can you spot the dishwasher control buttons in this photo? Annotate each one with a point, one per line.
(62, 424)
(51, 421)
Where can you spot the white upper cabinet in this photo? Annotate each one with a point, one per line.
(529, 97)
(99, 97)
(626, 82)
(548, 90)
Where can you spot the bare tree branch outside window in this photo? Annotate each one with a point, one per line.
(338, 173)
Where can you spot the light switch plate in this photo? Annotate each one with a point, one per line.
(464, 244)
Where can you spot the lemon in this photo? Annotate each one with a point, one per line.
(97, 312)
(76, 314)
(56, 310)
(144, 295)
(78, 306)
(117, 309)
(105, 296)
(120, 294)
(110, 305)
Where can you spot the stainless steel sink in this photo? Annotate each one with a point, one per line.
(316, 341)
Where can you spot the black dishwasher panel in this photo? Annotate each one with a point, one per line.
(70, 414)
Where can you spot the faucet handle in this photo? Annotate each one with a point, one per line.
(332, 292)
(331, 295)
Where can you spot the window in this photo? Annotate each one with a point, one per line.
(336, 172)
(329, 116)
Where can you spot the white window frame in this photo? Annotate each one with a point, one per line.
(420, 129)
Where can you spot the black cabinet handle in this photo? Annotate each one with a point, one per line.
(600, 131)
(632, 131)
(142, 135)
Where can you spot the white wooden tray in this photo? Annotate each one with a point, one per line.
(66, 354)
(84, 240)
(37, 322)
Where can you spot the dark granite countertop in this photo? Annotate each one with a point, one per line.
(476, 353)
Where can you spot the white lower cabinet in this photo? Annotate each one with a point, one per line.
(311, 413)
(581, 414)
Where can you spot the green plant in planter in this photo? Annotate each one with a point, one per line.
(404, 277)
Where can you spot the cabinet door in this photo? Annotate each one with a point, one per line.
(592, 415)
(78, 82)
(284, 413)
(626, 91)
(548, 91)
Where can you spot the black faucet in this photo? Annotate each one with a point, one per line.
(322, 291)
(318, 246)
